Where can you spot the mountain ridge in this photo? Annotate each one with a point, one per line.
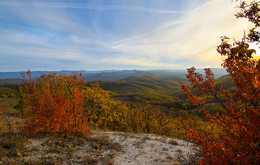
(111, 75)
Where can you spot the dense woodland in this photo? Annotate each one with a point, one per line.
(131, 97)
(221, 115)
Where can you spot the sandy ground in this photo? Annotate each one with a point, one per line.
(105, 148)
(100, 147)
(149, 149)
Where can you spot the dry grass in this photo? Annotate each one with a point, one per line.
(173, 142)
(44, 149)
(16, 147)
(189, 159)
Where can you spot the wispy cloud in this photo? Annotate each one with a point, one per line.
(90, 7)
(194, 36)
(59, 35)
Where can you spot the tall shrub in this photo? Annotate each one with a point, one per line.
(55, 103)
(239, 138)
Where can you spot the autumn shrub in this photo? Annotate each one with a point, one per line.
(55, 103)
(5, 125)
(150, 119)
(105, 112)
(238, 139)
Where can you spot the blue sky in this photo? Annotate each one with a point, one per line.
(114, 34)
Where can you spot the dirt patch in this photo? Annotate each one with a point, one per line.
(100, 147)
(149, 149)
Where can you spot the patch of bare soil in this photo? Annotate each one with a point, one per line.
(99, 147)
(103, 147)
(149, 149)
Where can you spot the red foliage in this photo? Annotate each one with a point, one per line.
(238, 142)
(239, 138)
(55, 104)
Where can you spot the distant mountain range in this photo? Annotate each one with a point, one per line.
(107, 75)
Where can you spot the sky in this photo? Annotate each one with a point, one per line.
(115, 34)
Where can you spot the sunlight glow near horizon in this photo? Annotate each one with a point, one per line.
(105, 35)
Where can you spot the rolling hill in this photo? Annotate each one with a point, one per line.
(107, 75)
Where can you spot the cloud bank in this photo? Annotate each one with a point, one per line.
(58, 35)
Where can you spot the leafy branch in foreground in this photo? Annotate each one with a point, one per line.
(239, 139)
(55, 103)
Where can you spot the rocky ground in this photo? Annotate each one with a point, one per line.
(148, 149)
(99, 147)
(104, 147)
